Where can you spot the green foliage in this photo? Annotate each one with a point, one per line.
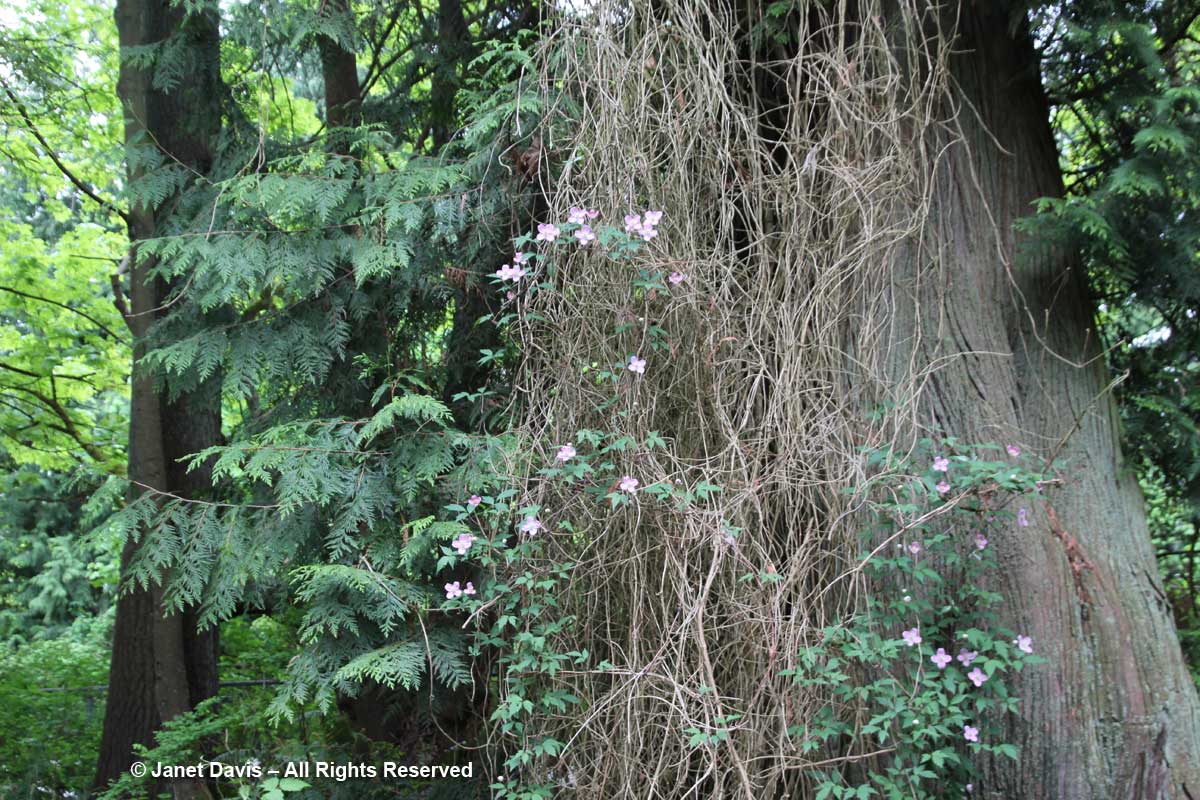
(907, 713)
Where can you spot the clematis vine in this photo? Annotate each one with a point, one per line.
(629, 484)
(1023, 517)
(637, 365)
(941, 658)
(941, 464)
(970, 734)
(942, 487)
(547, 232)
(469, 588)
(914, 547)
(453, 590)
(565, 453)
(633, 223)
(966, 656)
(521, 258)
(676, 278)
(977, 677)
(462, 543)
(531, 526)
(980, 541)
(585, 236)
(1013, 450)
(1024, 644)
(912, 637)
(473, 501)
(511, 272)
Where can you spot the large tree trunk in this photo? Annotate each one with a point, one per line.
(162, 665)
(1114, 712)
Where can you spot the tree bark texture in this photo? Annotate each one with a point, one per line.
(162, 665)
(1113, 714)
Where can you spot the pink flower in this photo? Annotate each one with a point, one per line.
(510, 295)
(941, 658)
(914, 547)
(531, 526)
(521, 258)
(474, 500)
(967, 656)
(585, 236)
(633, 223)
(629, 484)
(565, 453)
(977, 677)
(547, 232)
(647, 232)
(637, 365)
(942, 487)
(1013, 450)
(941, 464)
(577, 216)
(652, 217)
(462, 543)
(912, 637)
(1023, 518)
(510, 273)
(676, 278)
(453, 590)
(970, 734)
(592, 213)
(470, 589)
(1024, 644)
(980, 541)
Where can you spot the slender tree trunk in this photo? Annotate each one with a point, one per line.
(1113, 714)
(161, 664)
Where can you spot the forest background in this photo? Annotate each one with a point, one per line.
(266, 233)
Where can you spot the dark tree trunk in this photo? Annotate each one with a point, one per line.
(339, 70)
(1113, 714)
(161, 664)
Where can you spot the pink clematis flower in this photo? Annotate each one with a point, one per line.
(914, 547)
(473, 501)
(977, 677)
(676, 278)
(1024, 644)
(652, 217)
(585, 236)
(453, 590)
(531, 526)
(504, 273)
(941, 464)
(1013, 450)
(637, 365)
(912, 637)
(1023, 518)
(942, 487)
(565, 453)
(547, 232)
(633, 223)
(941, 658)
(462, 543)
(469, 589)
(980, 541)
(967, 656)
(970, 734)
(577, 216)
(629, 484)
(521, 258)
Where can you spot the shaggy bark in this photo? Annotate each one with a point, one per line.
(1114, 712)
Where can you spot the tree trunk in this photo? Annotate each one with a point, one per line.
(1114, 712)
(161, 664)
